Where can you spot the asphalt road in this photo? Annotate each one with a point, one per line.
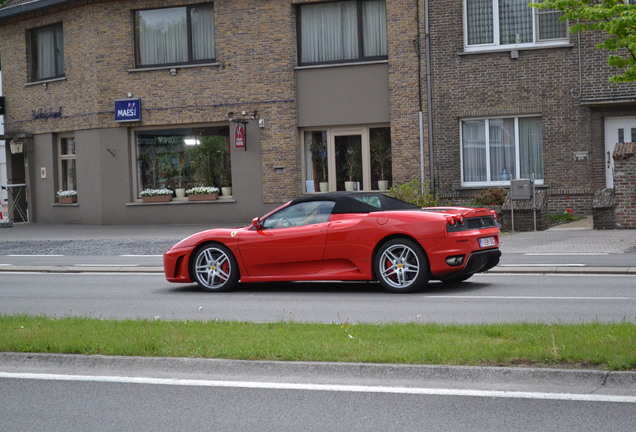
(482, 299)
(62, 393)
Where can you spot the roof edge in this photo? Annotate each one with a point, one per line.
(29, 6)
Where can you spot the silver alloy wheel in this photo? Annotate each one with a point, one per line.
(400, 266)
(213, 268)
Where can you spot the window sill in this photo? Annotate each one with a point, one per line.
(181, 201)
(64, 205)
(330, 65)
(510, 48)
(496, 184)
(177, 67)
(45, 81)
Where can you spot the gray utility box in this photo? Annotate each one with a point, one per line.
(521, 189)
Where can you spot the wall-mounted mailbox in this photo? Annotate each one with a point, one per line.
(521, 189)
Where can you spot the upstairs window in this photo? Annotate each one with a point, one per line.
(502, 23)
(179, 35)
(343, 31)
(47, 52)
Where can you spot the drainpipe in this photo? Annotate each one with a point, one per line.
(429, 97)
(418, 50)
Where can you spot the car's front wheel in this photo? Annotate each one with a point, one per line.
(401, 266)
(214, 268)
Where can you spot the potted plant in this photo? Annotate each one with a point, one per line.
(381, 158)
(352, 165)
(223, 172)
(156, 195)
(180, 191)
(319, 159)
(66, 196)
(202, 193)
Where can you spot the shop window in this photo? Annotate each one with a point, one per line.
(497, 150)
(67, 163)
(347, 159)
(178, 35)
(183, 158)
(500, 23)
(342, 31)
(46, 52)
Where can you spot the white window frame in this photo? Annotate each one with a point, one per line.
(489, 182)
(61, 157)
(496, 45)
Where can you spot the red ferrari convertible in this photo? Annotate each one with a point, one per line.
(342, 236)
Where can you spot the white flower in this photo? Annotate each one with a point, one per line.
(155, 192)
(66, 193)
(200, 190)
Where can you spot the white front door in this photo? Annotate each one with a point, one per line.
(617, 130)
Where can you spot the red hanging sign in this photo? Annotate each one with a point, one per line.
(239, 136)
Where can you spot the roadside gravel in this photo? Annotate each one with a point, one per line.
(107, 247)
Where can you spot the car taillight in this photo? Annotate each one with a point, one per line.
(455, 220)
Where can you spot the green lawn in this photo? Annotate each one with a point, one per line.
(596, 345)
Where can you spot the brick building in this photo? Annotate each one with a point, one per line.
(515, 94)
(281, 98)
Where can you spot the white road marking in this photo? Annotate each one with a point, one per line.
(567, 253)
(23, 256)
(526, 298)
(541, 265)
(105, 265)
(325, 387)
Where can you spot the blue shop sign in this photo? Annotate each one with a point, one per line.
(127, 110)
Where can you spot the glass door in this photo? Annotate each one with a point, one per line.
(351, 163)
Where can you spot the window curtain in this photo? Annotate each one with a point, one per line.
(479, 22)
(474, 150)
(49, 53)
(502, 149)
(531, 148)
(202, 19)
(374, 28)
(328, 32)
(162, 36)
(515, 22)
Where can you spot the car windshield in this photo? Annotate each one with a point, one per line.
(304, 213)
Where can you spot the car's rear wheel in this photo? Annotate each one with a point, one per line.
(401, 266)
(214, 268)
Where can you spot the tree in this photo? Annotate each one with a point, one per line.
(617, 18)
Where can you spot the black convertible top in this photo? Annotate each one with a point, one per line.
(358, 202)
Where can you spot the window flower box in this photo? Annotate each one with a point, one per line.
(66, 196)
(156, 195)
(203, 193)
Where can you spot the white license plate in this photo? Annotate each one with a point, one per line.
(486, 241)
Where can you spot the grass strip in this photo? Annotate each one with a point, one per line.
(610, 346)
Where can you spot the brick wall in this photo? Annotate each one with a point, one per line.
(544, 82)
(256, 54)
(624, 181)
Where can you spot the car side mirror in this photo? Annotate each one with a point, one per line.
(256, 223)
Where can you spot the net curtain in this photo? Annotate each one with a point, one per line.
(329, 31)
